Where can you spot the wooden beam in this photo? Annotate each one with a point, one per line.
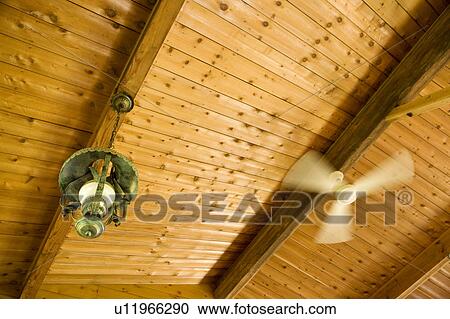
(417, 271)
(418, 67)
(421, 105)
(133, 76)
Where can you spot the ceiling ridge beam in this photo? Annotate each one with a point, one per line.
(410, 76)
(141, 59)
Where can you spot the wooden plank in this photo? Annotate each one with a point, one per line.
(376, 263)
(442, 78)
(29, 184)
(439, 119)
(27, 127)
(21, 165)
(223, 148)
(438, 5)
(31, 30)
(127, 13)
(129, 270)
(127, 279)
(421, 268)
(394, 15)
(27, 82)
(303, 72)
(215, 122)
(131, 80)
(44, 109)
(282, 38)
(152, 291)
(187, 40)
(437, 292)
(16, 145)
(412, 221)
(136, 261)
(28, 215)
(409, 139)
(421, 105)
(150, 4)
(375, 27)
(420, 11)
(411, 75)
(66, 15)
(289, 105)
(194, 167)
(53, 65)
(207, 99)
(297, 18)
(310, 260)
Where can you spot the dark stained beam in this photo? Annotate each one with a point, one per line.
(152, 37)
(418, 270)
(418, 67)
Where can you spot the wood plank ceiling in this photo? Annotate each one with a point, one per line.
(436, 286)
(239, 91)
(59, 62)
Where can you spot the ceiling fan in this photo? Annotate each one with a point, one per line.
(312, 173)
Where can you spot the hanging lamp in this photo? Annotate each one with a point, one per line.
(98, 184)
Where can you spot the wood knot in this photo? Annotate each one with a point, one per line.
(110, 12)
(265, 23)
(53, 18)
(223, 6)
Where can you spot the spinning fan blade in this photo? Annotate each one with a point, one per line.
(310, 173)
(398, 169)
(335, 233)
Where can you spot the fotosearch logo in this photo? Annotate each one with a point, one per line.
(217, 207)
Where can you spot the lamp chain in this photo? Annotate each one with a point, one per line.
(114, 131)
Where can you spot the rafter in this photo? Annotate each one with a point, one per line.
(411, 75)
(421, 105)
(132, 78)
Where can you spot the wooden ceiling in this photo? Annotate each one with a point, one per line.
(436, 286)
(360, 267)
(237, 93)
(59, 63)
